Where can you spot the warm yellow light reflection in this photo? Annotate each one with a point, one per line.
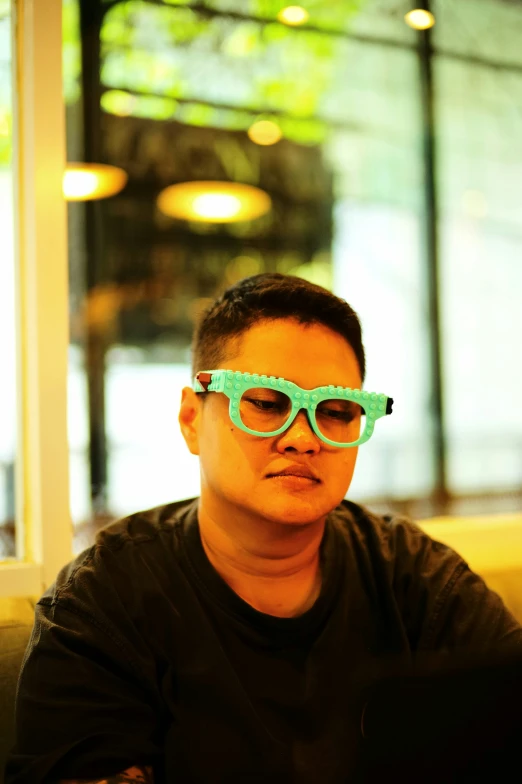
(86, 181)
(293, 15)
(265, 132)
(216, 206)
(213, 202)
(419, 19)
(242, 267)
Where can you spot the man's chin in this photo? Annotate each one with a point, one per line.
(295, 511)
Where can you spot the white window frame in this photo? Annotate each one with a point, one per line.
(43, 522)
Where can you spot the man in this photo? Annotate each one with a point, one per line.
(225, 638)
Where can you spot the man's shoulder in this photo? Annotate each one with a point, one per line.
(386, 527)
(430, 584)
(145, 525)
(125, 549)
(398, 543)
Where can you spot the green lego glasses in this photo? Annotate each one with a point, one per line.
(266, 406)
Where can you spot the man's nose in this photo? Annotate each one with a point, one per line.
(300, 436)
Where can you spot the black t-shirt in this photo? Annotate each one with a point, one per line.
(141, 654)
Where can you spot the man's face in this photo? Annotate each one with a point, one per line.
(235, 465)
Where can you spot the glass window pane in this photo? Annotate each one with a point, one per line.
(378, 261)
(148, 394)
(8, 416)
(479, 30)
(480, 175)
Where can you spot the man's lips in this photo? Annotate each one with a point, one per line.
(296, 470)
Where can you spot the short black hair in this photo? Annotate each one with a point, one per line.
(269, 296)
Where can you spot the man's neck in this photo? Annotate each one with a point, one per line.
(278, 575)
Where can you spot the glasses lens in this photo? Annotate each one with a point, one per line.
(264, 410)
(339, 420)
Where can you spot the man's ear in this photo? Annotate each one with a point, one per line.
(189, 418)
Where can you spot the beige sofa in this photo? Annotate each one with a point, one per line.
(16, 622)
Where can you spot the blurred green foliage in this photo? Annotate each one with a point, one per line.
(6, 112)
(219, 63)
(71, 50)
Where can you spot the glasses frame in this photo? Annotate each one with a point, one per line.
(233, 383)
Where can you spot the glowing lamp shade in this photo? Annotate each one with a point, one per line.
(86, 181)
(293, 15)
(265, 132)
(419, 19)
(213, 202)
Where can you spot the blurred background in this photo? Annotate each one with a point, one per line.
(334, 140)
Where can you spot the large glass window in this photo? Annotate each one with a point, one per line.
(180, 89)
(8, 371)
(378, 258)
(478, 105)
(173, 92)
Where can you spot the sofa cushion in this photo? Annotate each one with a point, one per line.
(14, 636)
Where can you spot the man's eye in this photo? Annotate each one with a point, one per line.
(343, 416)
(264, 405)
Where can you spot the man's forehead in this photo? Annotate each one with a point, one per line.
(305, 377)
(308, 355)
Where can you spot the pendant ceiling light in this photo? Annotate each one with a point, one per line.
(214, 202)
(86, 181)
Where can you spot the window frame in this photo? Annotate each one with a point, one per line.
(43, 522)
